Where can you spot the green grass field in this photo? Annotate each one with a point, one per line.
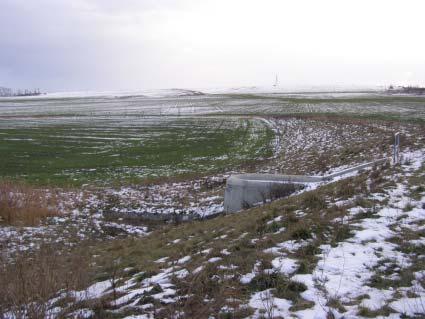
(105, 150)
(121, 140)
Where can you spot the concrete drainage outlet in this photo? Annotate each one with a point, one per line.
(247, 190)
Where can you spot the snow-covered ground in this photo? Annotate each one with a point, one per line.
(178, 92)
(344, 272)
(179, 102)
(363, 274)
(87, 212)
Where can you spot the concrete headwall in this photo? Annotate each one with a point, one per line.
(161, 217)
(247, 190)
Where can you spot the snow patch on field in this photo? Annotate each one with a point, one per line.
(344, 272)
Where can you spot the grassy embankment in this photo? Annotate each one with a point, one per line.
(245, 236)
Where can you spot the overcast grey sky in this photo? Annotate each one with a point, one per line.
(130, 44)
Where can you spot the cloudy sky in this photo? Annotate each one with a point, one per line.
(144, 44)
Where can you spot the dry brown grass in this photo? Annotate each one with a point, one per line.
(24, 205)
(322, 223)
(32, 279)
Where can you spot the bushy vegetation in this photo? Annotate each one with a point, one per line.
(25, 205)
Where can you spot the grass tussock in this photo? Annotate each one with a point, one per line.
(24, 205)
(32, 279)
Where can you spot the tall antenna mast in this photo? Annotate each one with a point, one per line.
(275, 82)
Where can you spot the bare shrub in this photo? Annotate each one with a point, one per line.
(24, 205)
(268, 302)
(198, 288)
(313, 200)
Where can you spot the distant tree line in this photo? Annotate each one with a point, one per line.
(416, 90)
(4, 92)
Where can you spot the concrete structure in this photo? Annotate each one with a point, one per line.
(160, 217)
(247, 190)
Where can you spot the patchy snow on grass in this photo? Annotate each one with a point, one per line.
(284, 265)
(409, 306)
(94, 291)
(246, 279)
(265, 302)
(344, 271)
(184, 260)
(289, 246)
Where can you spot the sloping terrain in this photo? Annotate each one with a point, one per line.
(349, 249)
(353, 248)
